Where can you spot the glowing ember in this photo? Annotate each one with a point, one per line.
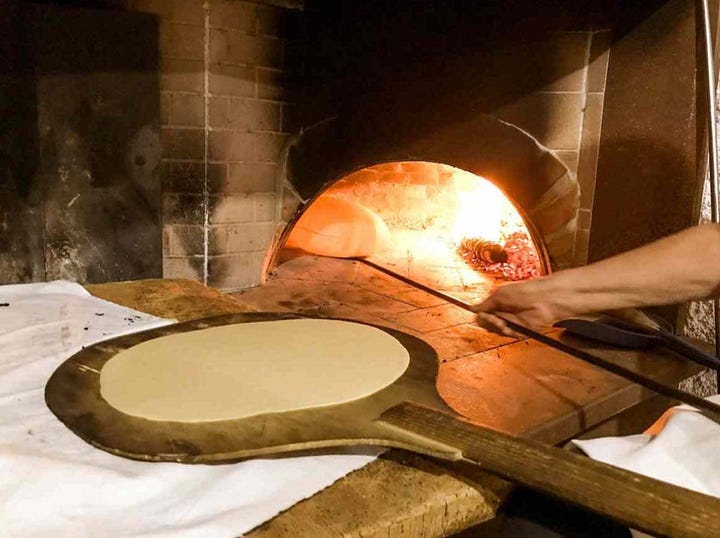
(522, 260)
(489, 232)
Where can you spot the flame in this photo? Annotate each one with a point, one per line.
(483, 211)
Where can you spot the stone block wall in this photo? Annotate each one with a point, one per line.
(224, 97)
(566, 117)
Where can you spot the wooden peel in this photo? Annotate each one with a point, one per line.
(386, 418)
(637, 501)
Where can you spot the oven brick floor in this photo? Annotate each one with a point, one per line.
(350, 289)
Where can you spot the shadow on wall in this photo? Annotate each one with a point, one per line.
(79, 145)
(628, 214)
(22, 256)
(442, 60)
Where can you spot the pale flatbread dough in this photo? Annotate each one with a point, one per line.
(242, 370)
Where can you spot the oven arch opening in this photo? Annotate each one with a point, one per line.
(532, 178)
(441, 226)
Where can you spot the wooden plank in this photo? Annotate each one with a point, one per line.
(183, 300)
(399, 494)
(637, 501)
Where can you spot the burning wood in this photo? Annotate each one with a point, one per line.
(486, 251)
(514, 259)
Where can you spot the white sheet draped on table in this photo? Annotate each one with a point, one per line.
(682, 448)
(53, 484)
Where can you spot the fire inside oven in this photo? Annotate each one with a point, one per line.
(434, 223)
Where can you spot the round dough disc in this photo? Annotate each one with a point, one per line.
(247, 369)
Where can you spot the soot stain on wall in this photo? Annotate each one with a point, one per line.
(80, 167)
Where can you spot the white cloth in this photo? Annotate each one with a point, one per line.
(53, 484)
(685, 452)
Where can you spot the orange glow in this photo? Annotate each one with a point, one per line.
(428, 220)
(483, 211)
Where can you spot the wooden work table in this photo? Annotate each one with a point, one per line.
(399, 494)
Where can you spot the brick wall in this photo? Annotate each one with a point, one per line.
(413, 195)
(224, 94)
(226, 114)
(566, 117)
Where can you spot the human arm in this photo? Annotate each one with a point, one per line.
(681, 267)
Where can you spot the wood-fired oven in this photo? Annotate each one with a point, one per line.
(299, 154)
(585, 116)
(480, 141)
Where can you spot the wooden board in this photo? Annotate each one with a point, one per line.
(179, 299)
(386, 418)
(637, 501)
(73, 395)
